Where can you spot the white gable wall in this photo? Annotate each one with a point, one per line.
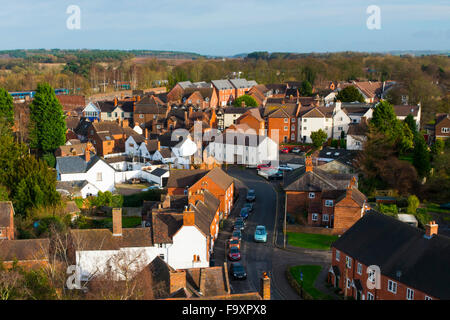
(187, 242)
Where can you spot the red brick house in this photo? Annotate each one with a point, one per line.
(226, 93)
(281, 120)
(216, 181)
(324, 199)
(409, 264)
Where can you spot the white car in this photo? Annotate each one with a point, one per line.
(283, 167)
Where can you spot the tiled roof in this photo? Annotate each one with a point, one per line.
(316, 180)
(220, 177)
(103, 239)
(181, 178)
(205, 211)
(30, 249)
(165, 225)
(394, 246)
(403, 111)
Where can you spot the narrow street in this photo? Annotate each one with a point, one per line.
(263, 257)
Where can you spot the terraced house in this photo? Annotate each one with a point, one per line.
(382, 258)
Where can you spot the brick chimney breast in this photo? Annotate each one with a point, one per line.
(188, 217)
(431, 229)
(117, 221)
(309, 164)
(265, 286)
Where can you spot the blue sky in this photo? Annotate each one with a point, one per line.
(227, 27)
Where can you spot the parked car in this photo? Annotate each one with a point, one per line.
(239, 225)
(284, 150)
(234, 242)
(260, 234)
(263, 166)
(251, 195)
(276, 176)
(237, 271)
(244, 213)
(241, 219)
(296, 150)
(234, 254)
(249, 205)
(237, 234)
(284, 167)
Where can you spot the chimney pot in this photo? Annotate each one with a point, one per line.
(265, 286)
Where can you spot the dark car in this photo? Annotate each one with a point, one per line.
(276, 176)
(237, 271)
(237, 234)
(239, 225)
(251, 195)
(234, 254)
(249, 205)
(244, 213)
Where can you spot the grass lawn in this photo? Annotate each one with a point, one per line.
(136, 199)
(310, 240)
(310, 273)
(127, 222)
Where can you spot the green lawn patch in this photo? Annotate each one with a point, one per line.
(79, 202)
(311, 240)
(127, 222)
(136, 199)
(310, 274)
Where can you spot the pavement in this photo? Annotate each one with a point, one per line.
(269, 257)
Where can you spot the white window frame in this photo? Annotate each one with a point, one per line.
(338, 255)
(392, 286)
(327, 217)
(286, 128)
(359, 268)
(286, 120)
(327, 203)
(348, 262)
(99, 174)
(409, 294)
(428, 298)
(315, 217)
(445, 130)
(349, 283)
(370, 296)
(311, 195)
(371, 276)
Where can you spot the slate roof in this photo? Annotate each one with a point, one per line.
(377, 239)
(182, 178)
(316, 180)
(150, 105)
(240, 83)
(222, 84)
(159, 172)
(76, 164)
(103, 239)
(237, 110)
(30, 249)
(358, 129)
(72, 122)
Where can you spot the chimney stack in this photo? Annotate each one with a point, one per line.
(146, 133)
(117, 221)
(188, 217)
(350, 186)
(87, 154)
(159, 145)
(265, 286)
(138, 98)
(177, 280)
(308, 164)
(115, 102)
(431, 229)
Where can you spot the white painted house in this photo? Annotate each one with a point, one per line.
(239, 148)
(89, 168)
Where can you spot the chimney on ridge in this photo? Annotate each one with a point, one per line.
(308, 164)
(188, 217)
